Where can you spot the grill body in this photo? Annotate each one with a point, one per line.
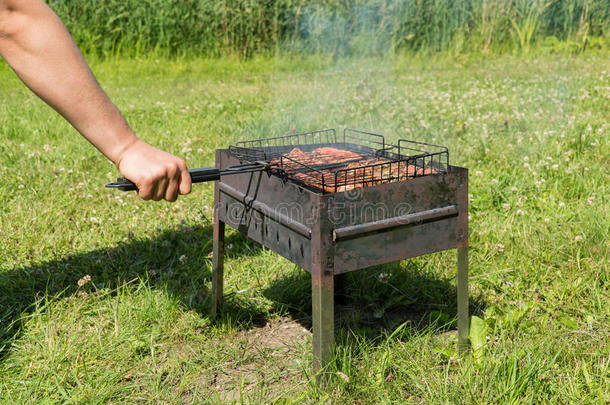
(332, 233)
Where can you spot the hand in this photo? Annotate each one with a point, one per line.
(157, 174)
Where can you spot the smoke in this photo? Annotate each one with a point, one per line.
(351, 29)
(340, 72)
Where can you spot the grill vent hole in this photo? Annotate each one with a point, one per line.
(277, 236)
(266, 231)
(302, 254)
(289, 244)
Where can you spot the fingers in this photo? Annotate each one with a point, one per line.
(171, 191)
(157, 174)
(165, 183)
(146, 188)
(161, 188)
(184, 179)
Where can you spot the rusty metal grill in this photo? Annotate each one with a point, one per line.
(368, 204)
(333, 204)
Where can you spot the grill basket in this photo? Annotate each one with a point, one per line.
(377, 161)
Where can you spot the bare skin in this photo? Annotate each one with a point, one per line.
(37, 46)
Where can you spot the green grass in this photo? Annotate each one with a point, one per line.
(533, 132)
(243, 28)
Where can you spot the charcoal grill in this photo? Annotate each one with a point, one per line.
(331, 216)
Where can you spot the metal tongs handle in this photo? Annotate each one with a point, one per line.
(199, 175)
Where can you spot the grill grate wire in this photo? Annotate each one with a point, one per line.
(372, 161)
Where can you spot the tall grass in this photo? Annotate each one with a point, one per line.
(340, 27)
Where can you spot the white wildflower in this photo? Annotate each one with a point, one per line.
(343, 376)
(84, 280)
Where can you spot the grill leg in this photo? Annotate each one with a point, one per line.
(462, 298)
(323, 314)
(217, 265)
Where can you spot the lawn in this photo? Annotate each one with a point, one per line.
(104, 298)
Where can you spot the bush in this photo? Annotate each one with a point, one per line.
(338, 27)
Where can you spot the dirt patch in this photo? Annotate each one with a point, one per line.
(280, 335)
(271, 365)
(270, 360)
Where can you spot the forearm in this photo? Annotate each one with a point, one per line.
(37, 46)
(40, 50)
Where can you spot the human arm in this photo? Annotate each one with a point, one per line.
(37, 46)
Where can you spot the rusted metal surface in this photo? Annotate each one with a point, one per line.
(267, 211)
(432, 199)
(284, 197)
(462, 271)
(217, 252)
(462, 298)
(388, 223)
(217, 266)
(266, 230)
(322, 289)
(398, 244)
(330, 234)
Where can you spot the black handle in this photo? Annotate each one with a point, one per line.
(197, 176)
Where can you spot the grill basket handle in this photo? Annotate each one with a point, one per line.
(197, 176)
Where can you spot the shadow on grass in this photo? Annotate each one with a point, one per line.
(370, 303)
(177, 261)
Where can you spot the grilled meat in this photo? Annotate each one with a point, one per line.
(356, 172)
